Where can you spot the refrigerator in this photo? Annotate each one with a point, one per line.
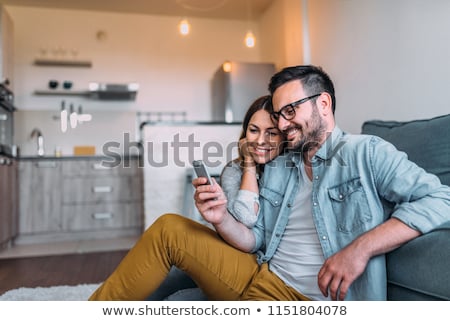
(235, 85)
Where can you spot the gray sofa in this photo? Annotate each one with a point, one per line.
(419, 270)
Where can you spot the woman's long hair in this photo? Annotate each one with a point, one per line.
(261, 103)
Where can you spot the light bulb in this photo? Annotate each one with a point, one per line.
(250, 39)
(226, 66)
(184, 27)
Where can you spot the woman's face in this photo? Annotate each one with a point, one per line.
(263, 138)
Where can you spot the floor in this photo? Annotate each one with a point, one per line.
(52, 270)
(73, 247)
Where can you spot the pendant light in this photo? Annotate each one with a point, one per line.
(249, 39)
(226, 66)
(184, 27)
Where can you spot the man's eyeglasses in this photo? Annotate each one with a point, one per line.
(288, 111)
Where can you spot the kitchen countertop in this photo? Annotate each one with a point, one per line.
(6, 151)
(72, 157)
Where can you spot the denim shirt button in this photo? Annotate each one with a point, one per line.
(341, 196)
(315, 203)
(324, 237)
(317, 177)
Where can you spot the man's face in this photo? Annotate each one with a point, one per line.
(307, 127)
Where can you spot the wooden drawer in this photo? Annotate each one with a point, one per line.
(40, 196)
(100, 168)
(79, 190)
(101, 216)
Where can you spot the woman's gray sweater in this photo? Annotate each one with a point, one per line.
(241, 203)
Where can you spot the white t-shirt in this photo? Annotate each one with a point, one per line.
(299, 256)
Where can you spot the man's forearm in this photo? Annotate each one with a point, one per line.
(386, 237)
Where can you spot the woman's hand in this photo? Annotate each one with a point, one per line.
(245, 149)
(210, 200)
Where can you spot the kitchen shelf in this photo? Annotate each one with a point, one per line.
(63, 63)
(94, 94)
(62, 93)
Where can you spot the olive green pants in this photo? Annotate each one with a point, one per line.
(220, 270)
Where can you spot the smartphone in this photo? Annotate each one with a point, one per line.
(201, 171)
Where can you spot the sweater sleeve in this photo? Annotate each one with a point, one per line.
(241, 203)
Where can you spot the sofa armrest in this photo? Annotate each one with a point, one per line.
(422, 267)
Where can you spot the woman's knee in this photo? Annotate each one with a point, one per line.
(170, 224)
(170, 221)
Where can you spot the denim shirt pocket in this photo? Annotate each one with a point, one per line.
(274, 198)
(350, 206)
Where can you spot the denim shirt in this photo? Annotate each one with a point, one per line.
(359, 181)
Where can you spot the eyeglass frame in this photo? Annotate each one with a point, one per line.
(275, 115)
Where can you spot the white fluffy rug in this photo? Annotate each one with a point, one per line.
(55, 293)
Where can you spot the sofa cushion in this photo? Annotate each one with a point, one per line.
(426, 142)
(420, 268)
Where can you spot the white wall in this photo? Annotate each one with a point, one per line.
(389, 59)
(6, 46)
(105, 127)
(173, 71)
(281, 30)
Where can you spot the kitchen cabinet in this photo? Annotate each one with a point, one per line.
(39, 194)
(74, 198)
(8, 200)
(101, 197)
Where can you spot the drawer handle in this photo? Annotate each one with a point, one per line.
(100, 166)
(102, 189)
(102, 216)
(46, 164)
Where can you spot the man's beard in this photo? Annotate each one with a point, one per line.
(317, 127)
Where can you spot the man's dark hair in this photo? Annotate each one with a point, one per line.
(313, 79)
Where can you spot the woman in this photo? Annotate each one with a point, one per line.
(139, 272)
(259, 143)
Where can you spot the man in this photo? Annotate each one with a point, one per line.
(329, 210)
(336, 203)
